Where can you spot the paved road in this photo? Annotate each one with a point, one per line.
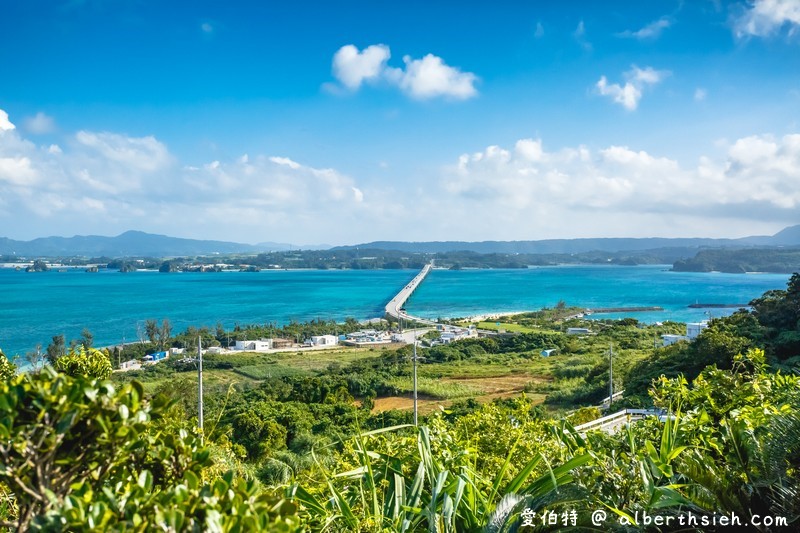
(393, 308)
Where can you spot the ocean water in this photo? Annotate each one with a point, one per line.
(447, 293)
(114, 306)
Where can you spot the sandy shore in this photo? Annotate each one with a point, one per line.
(493, 316)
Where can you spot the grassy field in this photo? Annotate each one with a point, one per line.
(506, 326)
(480, 376)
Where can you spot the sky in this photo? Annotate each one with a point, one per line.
(351, 121)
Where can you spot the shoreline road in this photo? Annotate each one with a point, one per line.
(395, 306)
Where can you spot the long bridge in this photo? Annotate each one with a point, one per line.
(395, 306)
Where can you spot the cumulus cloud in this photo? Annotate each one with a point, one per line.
(757, 180)
(763, 18)
(629, 95)
(5, 124)
(650, 32)
(143, 153)
(17, 171)
(40, 124)
(353, 67)
(525, 188)
(135, 182)
(429, 77)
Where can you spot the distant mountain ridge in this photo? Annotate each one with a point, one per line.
(141, 244)
(789, 236)
(129, 244)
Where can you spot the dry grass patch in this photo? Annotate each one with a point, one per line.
(487, 389)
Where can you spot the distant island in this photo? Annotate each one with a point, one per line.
(775, 260)
(134, 250)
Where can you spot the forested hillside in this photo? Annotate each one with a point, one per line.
(778, 260)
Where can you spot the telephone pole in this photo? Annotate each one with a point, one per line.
(610, 375)
(200, 385)
(415, 377)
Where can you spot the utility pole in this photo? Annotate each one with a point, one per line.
(610, 374)
(200, 385)
(415, 377)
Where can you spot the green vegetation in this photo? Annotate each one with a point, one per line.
(737, 261)
(369, 258)
(308, 440)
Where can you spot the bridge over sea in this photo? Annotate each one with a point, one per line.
(395, 306)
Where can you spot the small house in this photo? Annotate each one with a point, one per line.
(254, 345)
(324, 340)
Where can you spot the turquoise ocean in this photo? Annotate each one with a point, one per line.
(114, 306)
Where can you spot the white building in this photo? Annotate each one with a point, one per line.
(693, 330)
(672, 339)
(368, 336)
(131, 364)
(450, 334)
(324, 340)
(259, 345)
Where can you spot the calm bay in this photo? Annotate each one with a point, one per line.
(114, 306)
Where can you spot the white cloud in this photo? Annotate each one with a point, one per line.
(353, 67)
(143, 153)
(17, 171)
(627, 95)
(580, 36)
(40, 123)
(207, 27)
(558, 193)
(525, 190)
(5, 124)
(285, 161)
(630, 94)
(700, 94)
(429, 77)
(651, 31)
(539, 32)
(763, 18)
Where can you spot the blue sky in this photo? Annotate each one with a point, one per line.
(345, 122)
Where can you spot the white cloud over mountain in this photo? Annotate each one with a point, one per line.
(757, 182)
(422, 79)
(119, 182)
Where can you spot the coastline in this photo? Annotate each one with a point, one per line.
(493, 316)
(42, 306)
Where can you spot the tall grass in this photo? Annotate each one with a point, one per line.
(435, 388)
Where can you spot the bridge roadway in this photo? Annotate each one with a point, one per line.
(395, 306)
